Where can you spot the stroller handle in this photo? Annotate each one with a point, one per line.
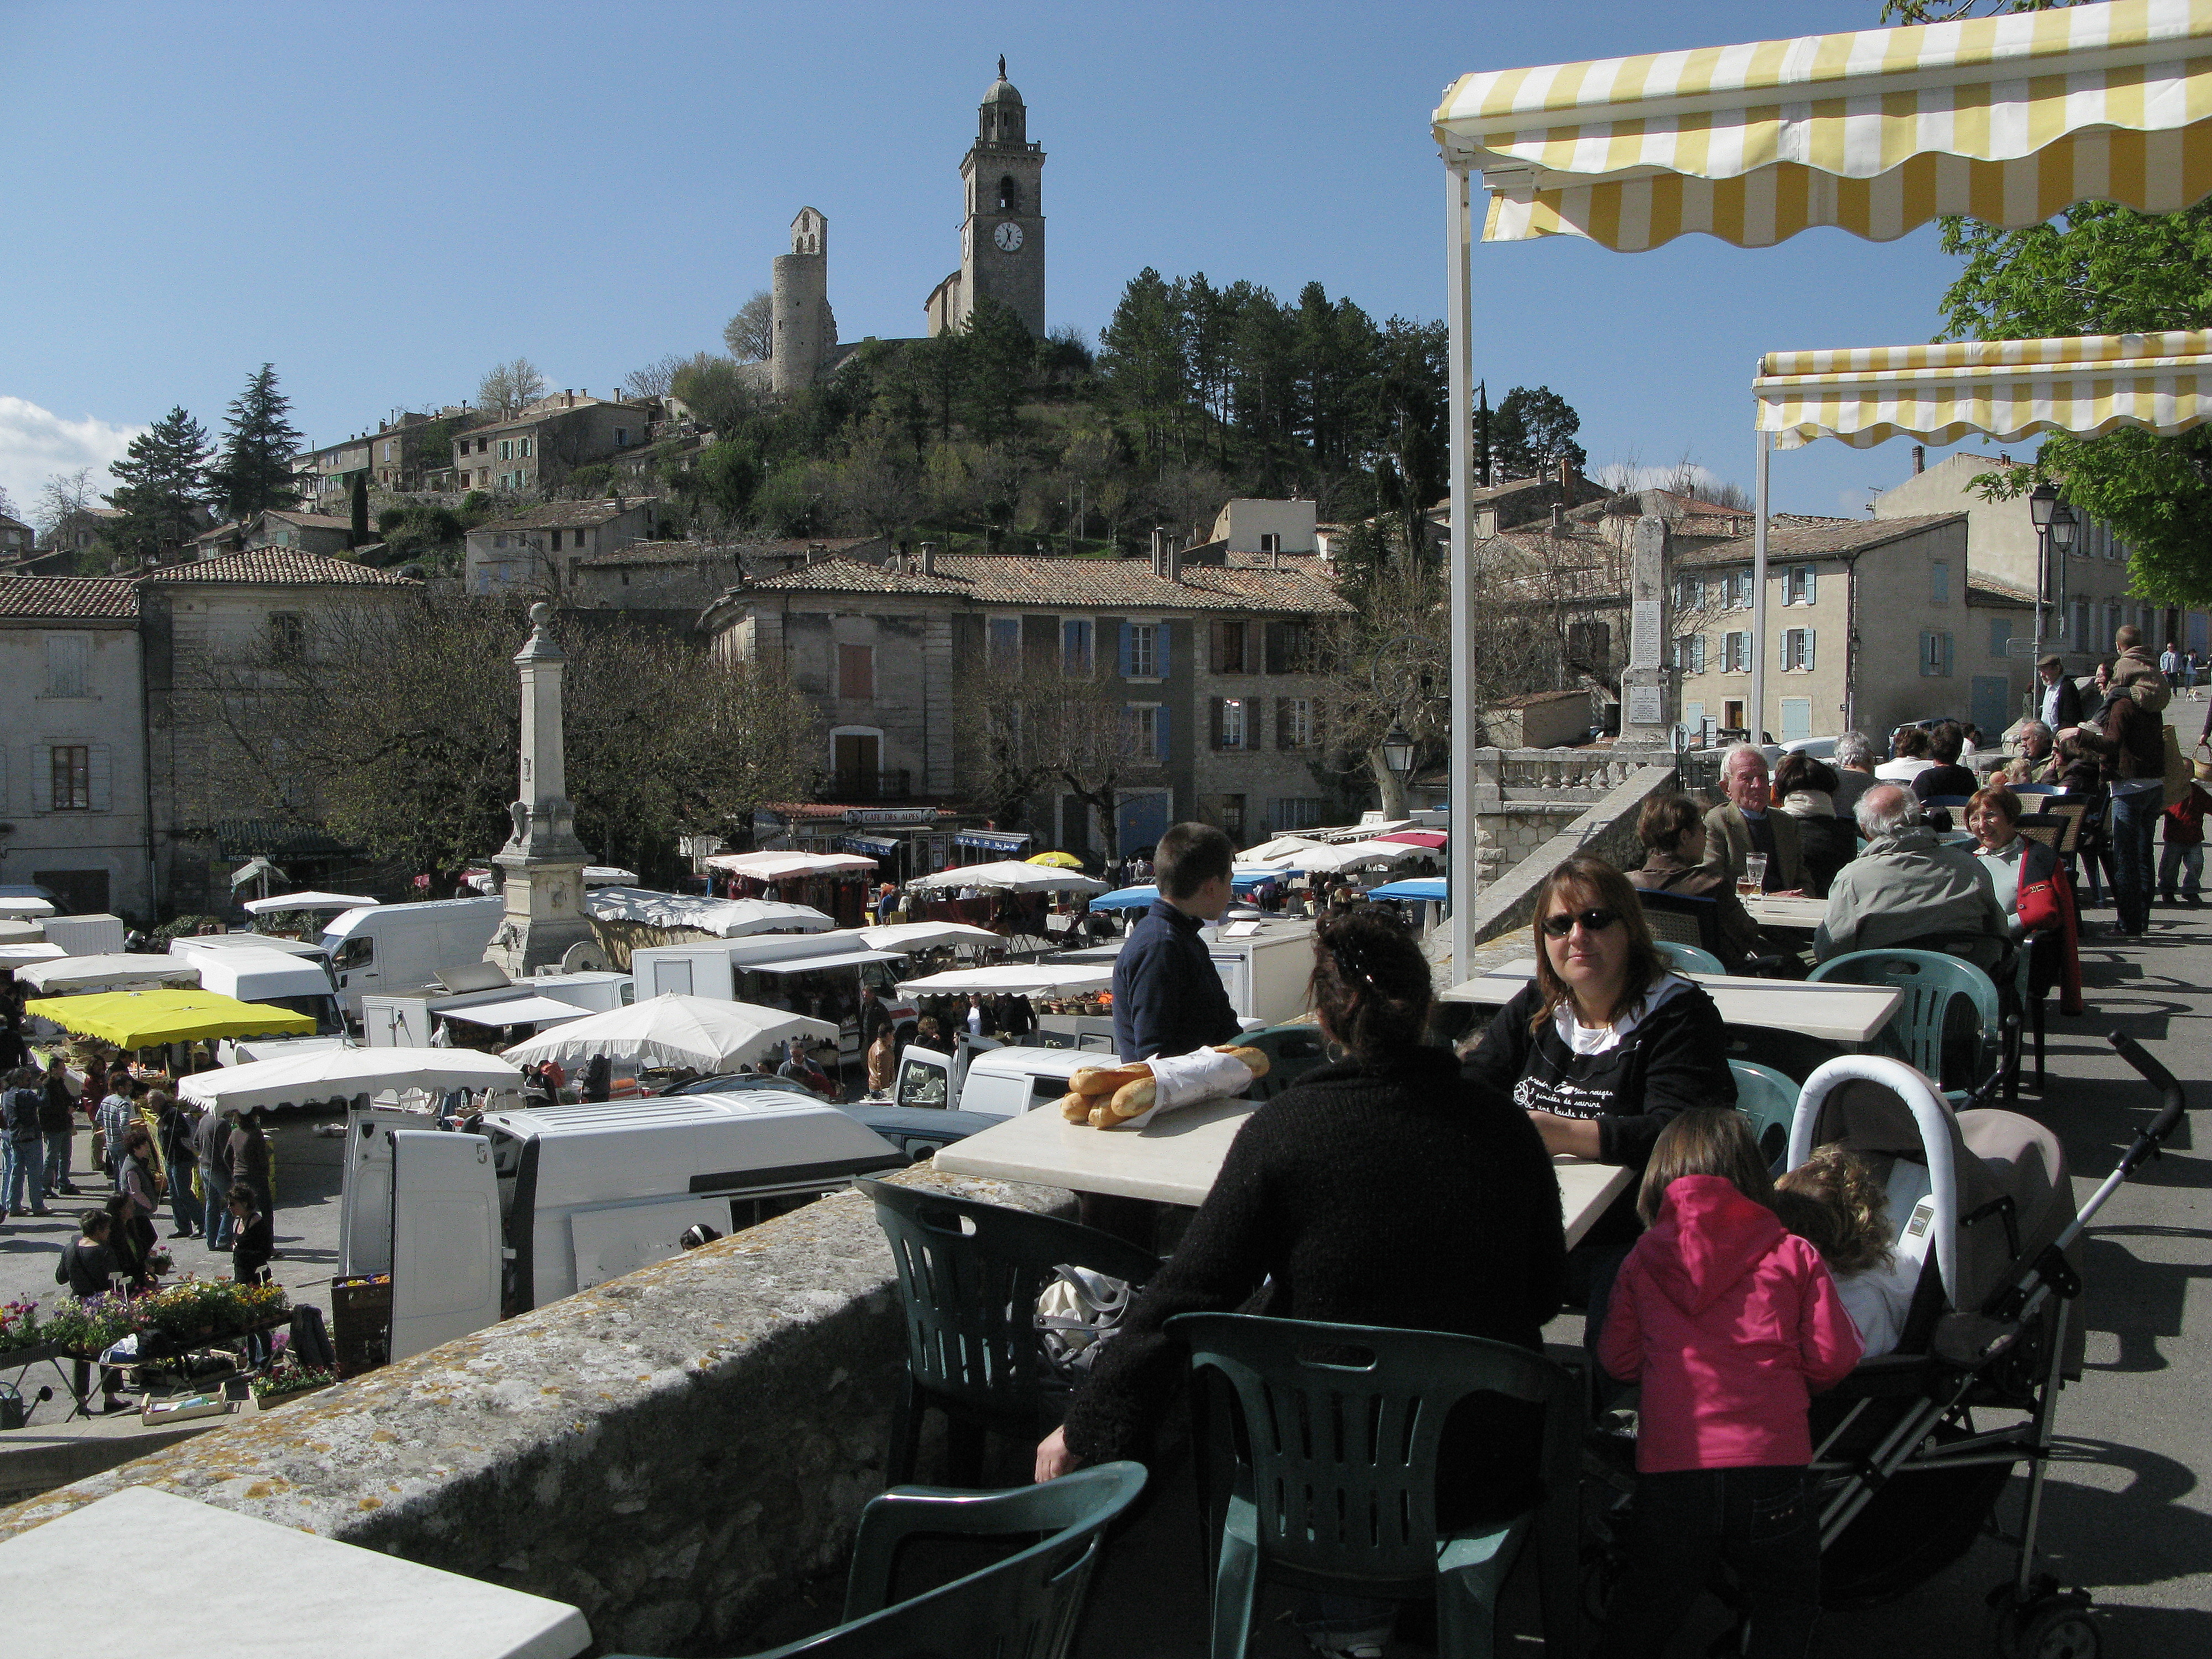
(2174, 1102)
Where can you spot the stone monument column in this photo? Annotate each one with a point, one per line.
(543, 860)
(1647, 685)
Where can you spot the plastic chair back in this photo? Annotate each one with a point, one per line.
(1770, 1101)
(1943, 995)
(2034, 789)
(1025, 1606)
(1688, 958)
(1946, 801)
(1291, 1052)
(969, 1276)
(1343, 1423)
(1682, 918)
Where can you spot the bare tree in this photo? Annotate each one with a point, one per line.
(8, 509)
(750, 335)
(61, 497)
(507, 388)
(655, 379)
(1030, 729)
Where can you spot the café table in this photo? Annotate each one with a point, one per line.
(1173, 1158)
(1828, 1010)
(1773, 911)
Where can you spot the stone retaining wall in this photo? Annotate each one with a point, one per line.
(1606, 831)
(673, 1452)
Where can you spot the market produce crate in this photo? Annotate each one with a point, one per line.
(361, 1322)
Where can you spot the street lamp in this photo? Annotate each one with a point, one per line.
(2054, 529)
(1398, 752)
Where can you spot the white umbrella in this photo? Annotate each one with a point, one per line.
(1282, 850)
(1008, 875)
(322, 1074)
(607, 875)
(1359, 855)
(702, 1032)
(262, 907)
(779, 867)
(1023, 979)
(907, 937)
(723, 918)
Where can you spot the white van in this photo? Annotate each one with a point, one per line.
(400, 947)
(276, 977)
(557, 1200)
(988, 1078)
(816, 974)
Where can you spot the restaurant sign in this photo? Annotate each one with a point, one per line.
(891, 815)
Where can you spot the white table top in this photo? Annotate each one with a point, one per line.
(1174, 1159)
(1771, 910)
(256, 1587)
(1833, 1013)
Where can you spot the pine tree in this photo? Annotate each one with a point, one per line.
(164, 481)
(255, 471)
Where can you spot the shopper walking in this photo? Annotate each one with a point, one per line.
(58, 1127)
(22, 1173)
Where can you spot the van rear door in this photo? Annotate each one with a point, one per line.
(444, 1239)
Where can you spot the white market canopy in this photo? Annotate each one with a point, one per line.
(16, 955)
(1008, 875)
(905, 937)
(2006, 389)
(783, 866)
(116, 971)
(723, 918)
(1359, 855)
(668, 1031)
(327, 1073)
(1022, 979)
(2011, 119)
(262, 907)
(515, 1011)
(26, 909)
(1282, 851)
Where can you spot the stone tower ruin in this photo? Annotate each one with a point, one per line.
(806, 331)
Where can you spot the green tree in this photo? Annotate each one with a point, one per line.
(1000, 353)
(1141, 360)
(717, 393)
(254, 471)
(1532, 431)
(162, 483)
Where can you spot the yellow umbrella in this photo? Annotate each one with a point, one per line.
(140, 1019)
(1058, 860)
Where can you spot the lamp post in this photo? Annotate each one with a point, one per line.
(2055, 529)
(1398, 753)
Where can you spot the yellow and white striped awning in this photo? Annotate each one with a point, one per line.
(2011, 119)
(2004, 389)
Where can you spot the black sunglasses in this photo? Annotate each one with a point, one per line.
(1593, 921)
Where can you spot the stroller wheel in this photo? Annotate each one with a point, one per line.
(2051, 1625)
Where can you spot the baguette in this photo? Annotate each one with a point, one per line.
(1254, 1060)
(1100, 1118)
(1075, 1108)
(1105, 1079)
(1132, 1100)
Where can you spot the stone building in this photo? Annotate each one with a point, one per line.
(540, 548)
(209, 629)
(547, 441)
(805, 330)
(72, 743)
(277, 526)
(16, 541)
(1210, 664)
(648, 575)
(1002, 230)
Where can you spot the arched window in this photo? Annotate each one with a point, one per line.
(1010, 195)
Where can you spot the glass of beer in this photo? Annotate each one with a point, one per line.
(1754, 879)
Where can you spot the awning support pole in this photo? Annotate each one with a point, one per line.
(1759, 604)
(1460, 866)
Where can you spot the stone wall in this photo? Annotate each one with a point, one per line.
(674, 1452)
(1606, 831)
(1517, 828)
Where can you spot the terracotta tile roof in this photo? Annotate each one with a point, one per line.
(308, 520)
(68, 596)
(1991, 587)
(566, 515)
(281, 566)
(547, 412)
(1792, 536)
(1124, 583)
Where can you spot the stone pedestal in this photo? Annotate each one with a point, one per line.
(543, 860)
(1648, 691)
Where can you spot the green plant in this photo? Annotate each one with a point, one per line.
(19, 1326)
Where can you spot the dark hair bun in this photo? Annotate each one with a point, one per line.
(1370, 983)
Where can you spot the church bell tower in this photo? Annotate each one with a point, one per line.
(1002, 235)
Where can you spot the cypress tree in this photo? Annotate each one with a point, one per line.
(357, 533)
(255, 471)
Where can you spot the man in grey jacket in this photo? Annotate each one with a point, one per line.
(1906, 885)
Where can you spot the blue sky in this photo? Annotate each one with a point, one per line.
(384, 200)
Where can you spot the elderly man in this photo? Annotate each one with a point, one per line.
(2034, 757)
(1906, 885)
(1854, 767)
(2060, 699)
(1742, 825)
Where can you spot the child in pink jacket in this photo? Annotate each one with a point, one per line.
(1730, 1323)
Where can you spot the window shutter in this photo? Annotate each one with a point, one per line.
(1812, 585)
(1128, 647)
(1811, 635)
(1947, 656)
(97, 772)
(1160, 633)
(1215, 703)
(1697, 653)
(1787, 641)
(1160, 724)
(1218, 633)
(42, 777)
(1282, 722)
(1927, 652)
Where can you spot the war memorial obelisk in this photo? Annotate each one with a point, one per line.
(543, 860)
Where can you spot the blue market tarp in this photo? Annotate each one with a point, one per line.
(1140, 898)
(1431, 888)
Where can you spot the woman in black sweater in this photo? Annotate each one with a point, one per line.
(1383, 1190)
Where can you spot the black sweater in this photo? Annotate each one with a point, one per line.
(1676, 1058)
(1390, 1194)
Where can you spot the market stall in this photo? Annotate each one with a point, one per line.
(65, 976)
(835, 883)
(675, 1032)
(347, 1074)
(150, 1019)
(1011, 998)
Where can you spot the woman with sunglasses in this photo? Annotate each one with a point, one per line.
(1605, 1046)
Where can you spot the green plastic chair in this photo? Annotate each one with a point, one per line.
(969, 1276)
(1025, 1606)
(1291, 1052)
(1334, 1487)
(1689, 958)
(1948, 1003)
(1770, 1101)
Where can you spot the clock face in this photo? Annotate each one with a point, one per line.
(1008, 237)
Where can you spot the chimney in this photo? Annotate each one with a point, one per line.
(1485, 524)
(1167, 555)
(1920, 459)
(568, 399)
(1560, 518)
(929, 558)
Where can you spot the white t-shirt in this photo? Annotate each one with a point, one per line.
(1901, 771)
(1600, 1039)
(1877, 1301)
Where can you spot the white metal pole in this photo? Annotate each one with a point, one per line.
(1759, 604)
(1459, 311)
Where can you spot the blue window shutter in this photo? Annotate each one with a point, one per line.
(1160, 717)
(1812, 585)
(1812, 637)
(1697, 653)
(1160, 632)
(1128, 644)
(1947, 656)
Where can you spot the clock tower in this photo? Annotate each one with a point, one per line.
(1002, 235)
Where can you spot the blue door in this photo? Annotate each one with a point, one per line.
(1143, 819)
(1992, 706)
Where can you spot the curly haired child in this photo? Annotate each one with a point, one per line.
(1833, 1201)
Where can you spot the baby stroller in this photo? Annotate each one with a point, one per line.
(1914, 1451)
